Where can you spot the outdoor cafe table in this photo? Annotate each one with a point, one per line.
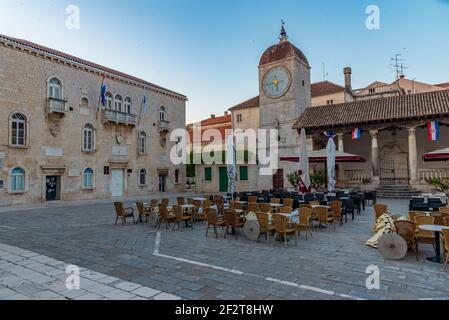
(199, 199)
(437, 230)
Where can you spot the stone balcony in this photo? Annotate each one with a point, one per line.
(57, 106)
(120, 117)
(163, 126)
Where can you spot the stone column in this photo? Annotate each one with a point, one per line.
(375, 155)
(412, 156)
(341, 167)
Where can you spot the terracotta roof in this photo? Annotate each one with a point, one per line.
(281, 51)
(216, 120)
(84, 62)
(225, 131)
(251, 103)
(443, 85)
(416, 106)
(324, 88)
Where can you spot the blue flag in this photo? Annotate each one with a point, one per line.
(103, 94)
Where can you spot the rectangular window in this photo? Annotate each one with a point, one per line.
(1, 184)
(239, 118)
(18, 134)
(88, 180)
(243, 173)
(208, 174)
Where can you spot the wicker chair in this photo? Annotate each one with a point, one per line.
(314, 203)
(407, 230)
(265, 208)
(422, 236)
(166, 202)
(323, 216)
(180, 218)
(190, 201)
(282, 228)
(265, 227)
(275, 200)
(252, 199)
(181, 201)
(199, 213)
(446, 221)
(413, 214)
(379, 209)
(286, 210)
(445, 234)
(232, 221)
(305, 217)
(253, 207)
(305, 206)
(165, 216)
(445, 211)
(123, 213)
(336, 211)
(144, 213)
(220, 205)
(153, 204)
(288, 202)
(214, 221)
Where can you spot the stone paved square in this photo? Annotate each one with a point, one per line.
(187, 265)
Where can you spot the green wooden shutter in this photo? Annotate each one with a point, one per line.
(208, 174)
(243, 173)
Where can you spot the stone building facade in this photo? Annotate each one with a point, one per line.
(58, 143)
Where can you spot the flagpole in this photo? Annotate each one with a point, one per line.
(99, 97)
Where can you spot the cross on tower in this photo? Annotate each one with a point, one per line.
(283, 37)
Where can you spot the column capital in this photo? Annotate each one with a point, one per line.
(411, 130)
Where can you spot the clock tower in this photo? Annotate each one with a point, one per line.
(285, 93)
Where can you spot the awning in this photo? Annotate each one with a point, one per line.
(321, 156)
(439, 155)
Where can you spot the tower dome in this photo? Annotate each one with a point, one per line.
(283, 50)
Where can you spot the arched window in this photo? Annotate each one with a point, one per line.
(84, 102)
(88, 138)
(118, 102)
(18, 130)
(177, 176)
(162, 114)
(142, 143)
(143, 177)
(109, 100)
(128, 105)
(17, 180)
(88, 178)
(55, 89)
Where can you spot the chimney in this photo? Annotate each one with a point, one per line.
(226, 113)
(212, 116)
(348, 81)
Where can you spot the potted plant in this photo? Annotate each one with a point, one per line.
(293, 178)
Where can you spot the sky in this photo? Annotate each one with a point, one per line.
(209, 50)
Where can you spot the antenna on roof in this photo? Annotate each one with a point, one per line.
(398, 66)
(325, 74)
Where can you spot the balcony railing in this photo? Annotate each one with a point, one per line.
(358, 176)
(120, 117)
(57, 105)
(164, 126)
(426, 174)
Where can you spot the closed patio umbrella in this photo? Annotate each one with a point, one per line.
(304, 163)
(331, 159)
(230, 162)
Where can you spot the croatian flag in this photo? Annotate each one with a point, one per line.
(356, 134)
(103, 94)
(434, 130)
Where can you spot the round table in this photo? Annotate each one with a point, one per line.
(437, 230)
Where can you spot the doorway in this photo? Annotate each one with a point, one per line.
(162, 182)
(278, 180)
(117, 182)
(53, 188)
(224, 187)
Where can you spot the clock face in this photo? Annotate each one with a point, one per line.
(276, 82)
